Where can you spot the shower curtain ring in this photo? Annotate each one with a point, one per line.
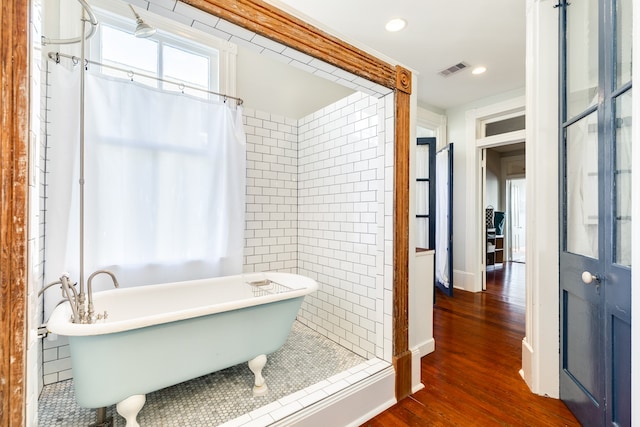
(74, 60)
(181, 87)
(86, 64)
(225, 99)
(57, 57)
(130, 74)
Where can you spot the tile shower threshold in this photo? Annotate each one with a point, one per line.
(278, 412)
(308, 369)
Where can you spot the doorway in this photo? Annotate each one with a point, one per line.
(504, 201)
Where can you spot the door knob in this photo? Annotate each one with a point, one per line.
(589, 278)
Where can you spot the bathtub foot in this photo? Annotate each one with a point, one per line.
(130, 407)
(260, 388)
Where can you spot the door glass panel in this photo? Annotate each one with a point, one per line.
(422, 198)
(623, 41)
(422, 161)
(582, 56)
(582, 187)
(422, 228)
(623, 180)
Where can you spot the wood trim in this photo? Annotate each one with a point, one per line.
(14, 131)
(401, 354)
(273, 23)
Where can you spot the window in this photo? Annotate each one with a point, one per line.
(185, 61)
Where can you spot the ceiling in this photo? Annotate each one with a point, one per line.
(439, 34)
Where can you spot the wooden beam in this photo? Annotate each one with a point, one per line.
(275, 24)
(401, 353)
(14, 131)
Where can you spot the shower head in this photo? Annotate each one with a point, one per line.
(142, 29)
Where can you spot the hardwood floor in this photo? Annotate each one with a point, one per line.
(472, 379)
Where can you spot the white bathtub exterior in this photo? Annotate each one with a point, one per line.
(160, 335)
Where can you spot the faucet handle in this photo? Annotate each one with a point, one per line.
(102, 316)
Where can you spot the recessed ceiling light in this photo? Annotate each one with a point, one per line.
(479, 70)
(395, 24)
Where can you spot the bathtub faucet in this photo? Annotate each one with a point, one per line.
(90, 313)
(70, 293)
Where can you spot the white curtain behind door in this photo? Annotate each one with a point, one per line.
(442, 217)
(165, 183)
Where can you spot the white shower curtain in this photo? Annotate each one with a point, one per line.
(164, 183)
(442, 217)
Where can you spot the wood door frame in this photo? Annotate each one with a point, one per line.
(255, 15)
(14, 166)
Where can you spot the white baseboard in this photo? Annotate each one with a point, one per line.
(350, 407)
(463, 280)
(416, 377)
(527, 364)
(426, 347)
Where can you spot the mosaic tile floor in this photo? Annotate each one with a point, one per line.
(307, 358)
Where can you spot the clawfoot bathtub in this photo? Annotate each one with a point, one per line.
(160, 335)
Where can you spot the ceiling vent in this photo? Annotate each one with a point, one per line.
(453, 69)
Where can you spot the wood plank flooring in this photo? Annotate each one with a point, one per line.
(472, 379)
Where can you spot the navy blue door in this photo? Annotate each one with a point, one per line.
(426, 193)
(595, 215)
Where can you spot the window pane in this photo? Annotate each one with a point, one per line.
(623, 180)
(124, 50)
(504, 126)
(582, 187)
(582, 56)
(623, 41)
(187, 67)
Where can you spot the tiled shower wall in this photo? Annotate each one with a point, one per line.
(316, 206)
(33, 383)
(272, 192)
(339, 178)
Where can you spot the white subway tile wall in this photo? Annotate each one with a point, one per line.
(339, 180)
(272, 192)
(33, 381)
(54, 362)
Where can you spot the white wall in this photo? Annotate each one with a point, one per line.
(266, 84)
(540, 347)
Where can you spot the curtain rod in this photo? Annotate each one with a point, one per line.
(55, 56)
